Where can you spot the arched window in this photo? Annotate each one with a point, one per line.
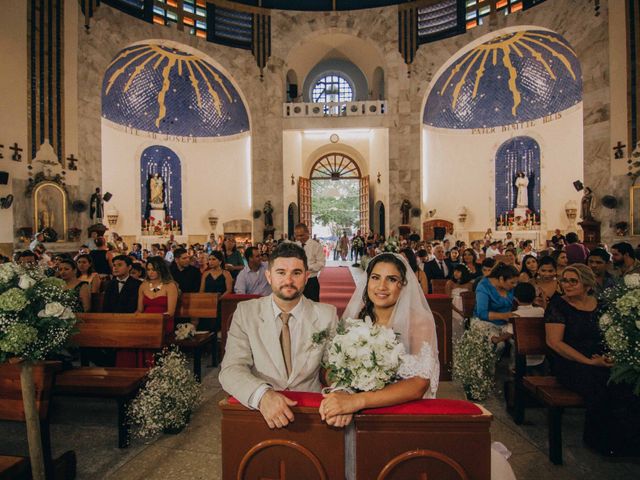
(335, 166)
(332, 88)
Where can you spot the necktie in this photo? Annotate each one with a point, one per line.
(285, 341)
(121, 285)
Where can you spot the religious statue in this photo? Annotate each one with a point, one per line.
(405, 208)
(96, 206)
(268, 214)
(156, 191)
(585, 204)
(522, 182)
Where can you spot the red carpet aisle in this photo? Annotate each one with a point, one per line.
(336, 287)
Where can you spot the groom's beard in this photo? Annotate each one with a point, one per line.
(291, 296)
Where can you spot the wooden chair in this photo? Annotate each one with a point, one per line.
(306, 449)
(468, 306)
(12, 409)
(530, 339)
(438, 286)
(198, 305)
(113, 330)
(442, 314)
(228, 305)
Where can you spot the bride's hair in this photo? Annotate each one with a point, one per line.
(368, 309)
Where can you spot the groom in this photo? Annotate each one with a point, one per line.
(269, 345)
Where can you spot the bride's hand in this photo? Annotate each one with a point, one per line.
(339, 421)
(339, 403)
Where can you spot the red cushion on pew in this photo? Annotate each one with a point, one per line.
(238, 297)
(436, 296)
(428, 407)
(304, 399)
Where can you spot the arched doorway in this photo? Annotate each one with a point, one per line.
(335, 197)
(379, 219)
(292, 219)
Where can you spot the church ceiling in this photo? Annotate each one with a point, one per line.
(161, 89)
(515, 77)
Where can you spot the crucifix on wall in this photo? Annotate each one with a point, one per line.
(71, 162)
(619, 149)
(17, 156)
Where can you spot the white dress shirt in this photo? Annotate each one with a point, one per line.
(294, 331)
(315, 256)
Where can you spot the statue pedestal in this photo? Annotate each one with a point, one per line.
(268, 231)
(591, 229)
(520, 212)
(158, 216)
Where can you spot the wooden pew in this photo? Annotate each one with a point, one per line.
(198, 305)
(530, 339)
(306, 449)
(229, 303)
(468, 305)
(441, 307)
(110, 330)
(438, 286)
(12, 409)
(440, 439)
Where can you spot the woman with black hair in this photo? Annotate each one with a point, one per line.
(470, 260)
(392, 297)
(413, 263)
(529, 268)
(68, 271)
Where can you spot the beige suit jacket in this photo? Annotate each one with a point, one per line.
(253, 355)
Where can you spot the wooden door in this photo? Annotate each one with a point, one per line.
(304, 201)
(364, 205)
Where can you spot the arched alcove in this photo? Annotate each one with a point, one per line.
(163, 162)
(292, 93)
(293, 219)
(379, 218)
(340, 68)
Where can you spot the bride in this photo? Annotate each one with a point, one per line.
(391, 296)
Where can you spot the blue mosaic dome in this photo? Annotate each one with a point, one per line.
(161, 89)
(516, 77)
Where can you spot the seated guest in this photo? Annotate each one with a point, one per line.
(438, 268)
(529, 269)
(492, 250)
(137, 251)
(510, 257)
(494, 303)
(454, 256)
(87, 273)
(215, 280)
(561, 259)
(157, 294)
(121, 294)
(485, 269)
(527, 249)
(599, 261)
(470, 260)
(546, 281)
(624, 259)
(460, 280)
(576, 251)
(413, 263)
(185, 275)
(26, 258)
(558, 240)
(232, 257)
(580, 364)
(68, 271)
(252, 280)
(137, 271)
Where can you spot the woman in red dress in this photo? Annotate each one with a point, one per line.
(157, 294)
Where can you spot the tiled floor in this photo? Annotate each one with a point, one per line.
(88, 427)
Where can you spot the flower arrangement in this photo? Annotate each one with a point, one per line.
(36, 313)
(363, 356)
(620, 325)
(357, 243)
(473, 362)
(185, 330)
(168, 397)
(391, 246)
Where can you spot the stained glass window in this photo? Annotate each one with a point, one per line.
(187, 15)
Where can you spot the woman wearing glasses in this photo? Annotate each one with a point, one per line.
(580, 363)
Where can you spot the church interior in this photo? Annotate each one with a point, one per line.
(155, 127)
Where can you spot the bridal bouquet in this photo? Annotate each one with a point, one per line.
(620, 325)
(36, 313)
(363, 356)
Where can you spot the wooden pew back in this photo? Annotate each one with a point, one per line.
(438, 286)
(468, 303)
(11, 406)
(229, 303)
(442, 316)
(121, 330)
(529, 336)
(197, 305)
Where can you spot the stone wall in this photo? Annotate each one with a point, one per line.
(112, 30)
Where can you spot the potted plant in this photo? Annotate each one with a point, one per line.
(36, 320)
(165, 402)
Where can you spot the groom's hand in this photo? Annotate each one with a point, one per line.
(339, 421)
(274, 407)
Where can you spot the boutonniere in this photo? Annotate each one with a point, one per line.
(319, 337)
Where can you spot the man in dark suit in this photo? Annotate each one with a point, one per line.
(187, 276)
(438, 268)
(121, 294)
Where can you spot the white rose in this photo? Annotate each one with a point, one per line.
(26, 282)
(53, 309)
(605, 320)
(67, 314)
(632, 280)
(638, 324)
